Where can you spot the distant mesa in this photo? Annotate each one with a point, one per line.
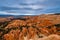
(56, 13)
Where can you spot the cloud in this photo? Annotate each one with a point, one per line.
(29, 7)
(32, 7)
(34, 1)
(42, 0)
(7, 13)
(29, 14)
(4, 8)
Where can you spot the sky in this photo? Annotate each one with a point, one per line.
(29, 7)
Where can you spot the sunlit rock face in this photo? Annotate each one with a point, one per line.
(41, 27)
(51, 37)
